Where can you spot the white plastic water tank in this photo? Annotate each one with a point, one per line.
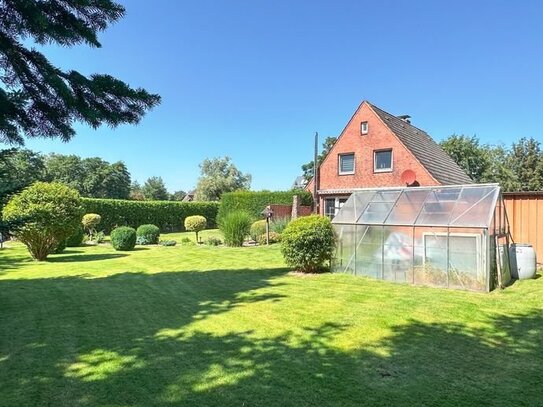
(523, 261)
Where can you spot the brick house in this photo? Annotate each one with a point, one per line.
(378, 149)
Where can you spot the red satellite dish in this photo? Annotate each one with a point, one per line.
(408, 177)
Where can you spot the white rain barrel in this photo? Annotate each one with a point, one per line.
(523, 261)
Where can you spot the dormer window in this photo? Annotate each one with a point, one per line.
(364, 128)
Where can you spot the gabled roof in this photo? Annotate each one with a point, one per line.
(436, 161)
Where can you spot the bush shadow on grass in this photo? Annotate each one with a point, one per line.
(62, 258)
(124, 340)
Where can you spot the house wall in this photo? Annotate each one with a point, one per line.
(379, 137)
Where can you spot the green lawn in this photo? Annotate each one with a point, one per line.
(215, 326)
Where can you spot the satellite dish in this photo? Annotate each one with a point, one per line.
(408, 177)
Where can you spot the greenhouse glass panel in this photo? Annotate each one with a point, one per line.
(369, 251)
(466, 266)
(407, 207)
(438, 207)
(430, 260)
(397, 253)
(344, 260)
(353, 208)
(380, 206)
(475, 207)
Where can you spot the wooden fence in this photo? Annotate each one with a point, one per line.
(525, 212)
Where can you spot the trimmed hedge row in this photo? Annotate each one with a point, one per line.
(167, 215)
(253, 202)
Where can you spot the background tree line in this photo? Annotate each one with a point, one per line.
(516, 168)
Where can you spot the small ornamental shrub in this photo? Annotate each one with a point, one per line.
(213, 241)
(278, 225)
(52, 212)
(195, 224)
(123, 238)
(308, 242)
(274, 238)
(258, 228)
(76, 238)
(167, 243)
(148, 234)
(185, 241)
(90, 221)
(235, 226)
(99, 237)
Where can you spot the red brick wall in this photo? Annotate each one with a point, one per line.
(285, 211)
(379, 137)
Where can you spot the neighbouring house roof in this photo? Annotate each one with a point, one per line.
(442, 167)
(299, 182)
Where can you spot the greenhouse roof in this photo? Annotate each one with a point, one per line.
(445, 206)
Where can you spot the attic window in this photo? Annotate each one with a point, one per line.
(364, 128)
(346, 164)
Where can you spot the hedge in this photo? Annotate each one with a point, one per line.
(169, 216)
(254, 202)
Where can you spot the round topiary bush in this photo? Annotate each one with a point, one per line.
(90, 221)
(148, 234)
(308, 242)
(258, 228)
(51, 211)
(235, 226)
(123, 238)
(76, 238)
(195, 223)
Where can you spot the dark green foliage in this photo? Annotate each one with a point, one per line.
(148, 234)
(235, 227)
(59, 248)
(53, 212)
(307, 243)
(254, 202)
(18, 169)
(92, 177)
(167, 243)
(178, 195)
(155, 190)
(38, 99)
(76, 238)
(123, 238)
(258, 228)
(169, 216)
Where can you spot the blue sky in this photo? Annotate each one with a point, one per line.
(254, 80)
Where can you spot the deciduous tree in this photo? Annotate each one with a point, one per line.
(217, 176)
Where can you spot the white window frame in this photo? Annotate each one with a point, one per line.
(364, 127)
(339, 164)
(375, 152)
(480, 249)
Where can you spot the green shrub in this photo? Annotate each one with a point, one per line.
(195, 223)
(53, 212)
(213, 241)
(253, 202)
(185, 241)
(278, 225)
(274, 238)
(60, 247)
(308, 242)
(258, 228)
(167, 243)
(235, 226)
(99, 237)
(90, 221)
(169, 216)
(147, 234)
(76, 238)
(123, 238)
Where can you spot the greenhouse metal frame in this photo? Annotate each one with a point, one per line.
(442, 236)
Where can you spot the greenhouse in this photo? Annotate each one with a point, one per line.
(442, 236)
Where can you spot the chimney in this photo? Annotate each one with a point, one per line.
(405, 117)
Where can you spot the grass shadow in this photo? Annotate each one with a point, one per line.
(62, 258)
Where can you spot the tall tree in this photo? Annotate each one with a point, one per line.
(19, 169)
(527, 163)
(217, 176)
(178, 195)
(136, 193)
(308, 168)
(155, 190)
(38, 99)
(473, 158)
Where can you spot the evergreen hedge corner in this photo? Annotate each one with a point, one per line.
(169, 216)
(253, 202)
